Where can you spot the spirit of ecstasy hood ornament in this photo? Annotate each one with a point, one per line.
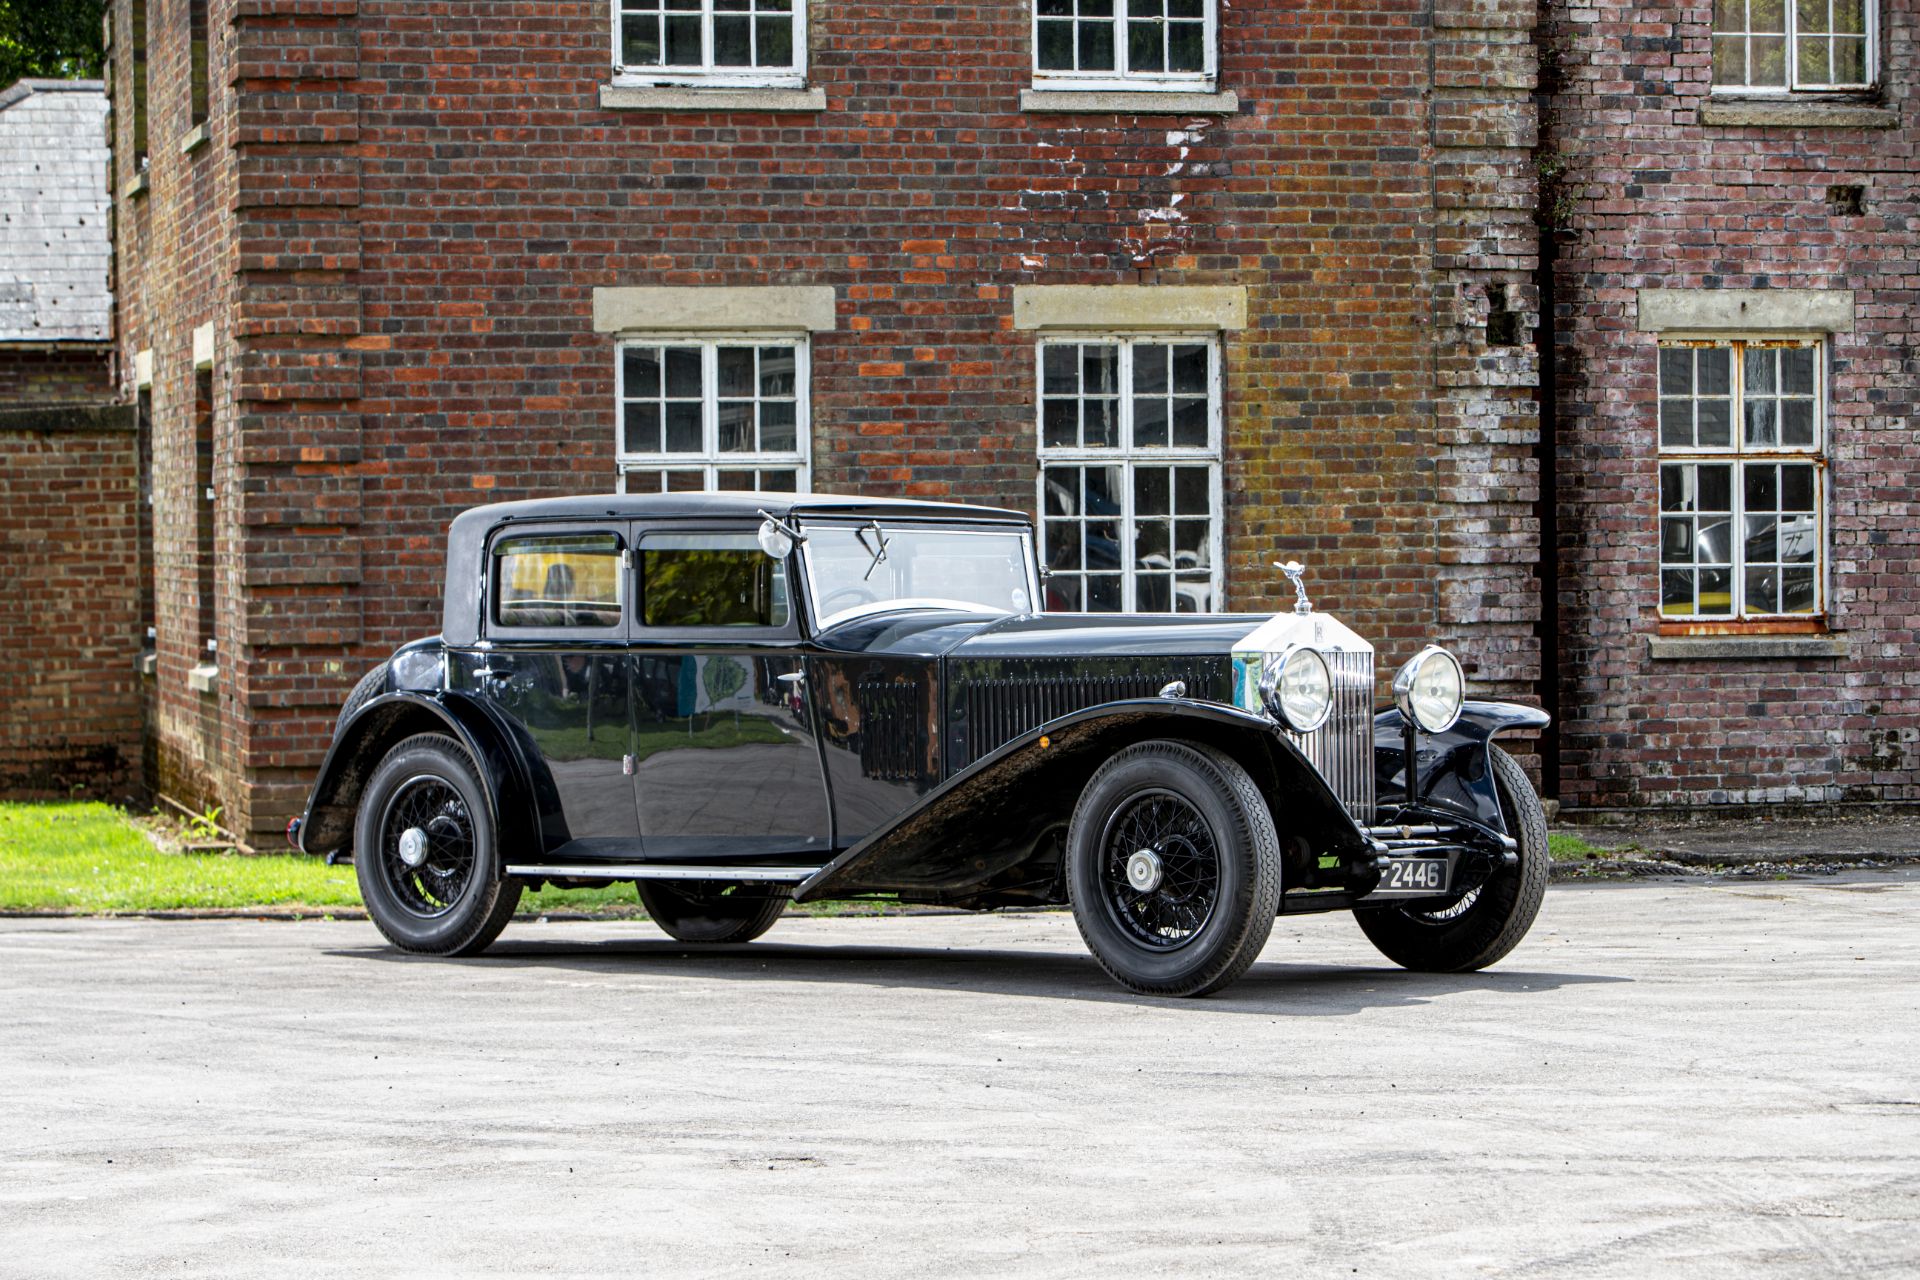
(1296, 574)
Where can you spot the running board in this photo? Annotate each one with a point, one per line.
(664, 871)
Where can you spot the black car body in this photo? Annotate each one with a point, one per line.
(734, 700)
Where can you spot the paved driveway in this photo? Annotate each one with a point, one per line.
(1708, 1081)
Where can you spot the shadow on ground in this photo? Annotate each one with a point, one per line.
(1299, 990)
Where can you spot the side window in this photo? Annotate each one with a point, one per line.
(1124, 44)
(1742, 528)
(711, 580)
(1794, 46)
(742, 42)
(557, 580)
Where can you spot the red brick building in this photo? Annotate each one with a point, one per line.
(1199, 283)
(69, 505)
(1219, 275)
(1735, 286)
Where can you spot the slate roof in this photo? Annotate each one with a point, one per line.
(54, 250)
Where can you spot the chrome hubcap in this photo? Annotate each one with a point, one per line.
(1144, 871)
(413, 846)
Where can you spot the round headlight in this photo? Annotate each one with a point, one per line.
(1298, 688)
(1430, 689)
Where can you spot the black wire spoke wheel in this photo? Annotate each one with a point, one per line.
(427, 846)
(424, 851)
(1161, 870)
(1173, 868)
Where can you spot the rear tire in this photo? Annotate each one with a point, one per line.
(689, 916)
(439, 892)
(1484, 926)
(1173, 868)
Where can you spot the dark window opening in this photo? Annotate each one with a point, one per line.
(1846, 201)
(200, 86)
(203, 507)
(1503, 325)
(137, 40)
(143, 511)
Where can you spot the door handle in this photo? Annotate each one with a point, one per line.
(792, 677)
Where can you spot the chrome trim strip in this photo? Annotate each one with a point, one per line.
(663, 871)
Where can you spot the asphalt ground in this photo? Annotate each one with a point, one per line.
(1703, 1080)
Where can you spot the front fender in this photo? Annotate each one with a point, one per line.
(1455, 767)
(987, 830)
(327, 826)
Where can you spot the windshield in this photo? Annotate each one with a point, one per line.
(855, 569)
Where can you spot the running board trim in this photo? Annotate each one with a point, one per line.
(664, 871)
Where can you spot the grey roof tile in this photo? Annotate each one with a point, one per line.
(54, 251)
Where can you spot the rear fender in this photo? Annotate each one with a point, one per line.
(1455, 767)
(989, 831)
(384, 722)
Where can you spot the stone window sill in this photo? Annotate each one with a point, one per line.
(134, 186)
(1130, 102)
(627, 97)
(1744, 648)
(203, 678)
(147, 663)
(1796, 113)
(197, 137)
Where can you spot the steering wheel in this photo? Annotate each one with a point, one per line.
(853, 596)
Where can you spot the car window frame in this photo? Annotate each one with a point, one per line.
(640, 633)
(493, 631)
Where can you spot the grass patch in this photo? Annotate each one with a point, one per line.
(95, 859)
(1571, 848)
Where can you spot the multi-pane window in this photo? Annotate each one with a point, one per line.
(700, 414)
(1124, 43)
(1740, 479)
(1782, 45)
(758, 42)
(1130, 474)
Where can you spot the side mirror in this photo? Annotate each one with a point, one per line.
(774, 540)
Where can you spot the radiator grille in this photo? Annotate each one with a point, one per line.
(1342, 748)
(1000, 710)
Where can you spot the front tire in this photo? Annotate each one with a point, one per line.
(1173, 868)
(424, 852)
(690, 916)
(1486, 923)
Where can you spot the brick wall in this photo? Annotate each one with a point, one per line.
(55, 375)
(404, 209)
(1653, 197)
(69, 704)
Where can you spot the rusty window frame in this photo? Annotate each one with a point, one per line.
(1685, 456)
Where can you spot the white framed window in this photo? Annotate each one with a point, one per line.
(1742, 479)
(1130, 498)
(1125, 44)
(714, 42)
(1794, 46)
(712, 412)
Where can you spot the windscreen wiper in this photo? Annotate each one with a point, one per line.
(878, 549)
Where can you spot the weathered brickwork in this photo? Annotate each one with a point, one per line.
(55, 375)
(1653, 196)
(69, 712)
(403, 209)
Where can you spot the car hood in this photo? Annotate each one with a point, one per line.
(934, 633)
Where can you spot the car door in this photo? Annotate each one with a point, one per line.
(726, 762)
(557, 662)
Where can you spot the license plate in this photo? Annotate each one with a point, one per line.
(1419, 875)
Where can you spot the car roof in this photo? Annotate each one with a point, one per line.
(741, 505)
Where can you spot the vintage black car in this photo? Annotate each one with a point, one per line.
(737, 701)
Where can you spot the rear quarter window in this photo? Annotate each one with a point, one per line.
(711, 580)
(557, 581)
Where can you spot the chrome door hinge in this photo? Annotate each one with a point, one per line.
(626, 558)
(626, 765)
